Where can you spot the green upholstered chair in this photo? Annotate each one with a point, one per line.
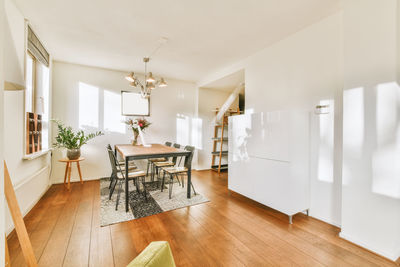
(156, 254)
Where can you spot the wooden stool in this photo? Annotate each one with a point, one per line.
(68, 170)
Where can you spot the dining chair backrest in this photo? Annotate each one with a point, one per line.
(174, 159)
(114, 163)
(177, 145)
(168, 143)
(188, 159)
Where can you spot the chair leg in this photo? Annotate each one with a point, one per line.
(111, 180)
(144, 187)
(183, 181)
(194, 191)
(119, 193)
(177, 178)
(136, 184)
(148, 166)
(171, 182)
(112, 187)
(157, 172)
(163, 181)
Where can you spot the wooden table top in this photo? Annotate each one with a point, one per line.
(139, 150)
(71, 160)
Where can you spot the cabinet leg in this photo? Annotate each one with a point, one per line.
(290, 219)
(307, 212)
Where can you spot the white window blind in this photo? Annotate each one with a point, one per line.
(37, 49)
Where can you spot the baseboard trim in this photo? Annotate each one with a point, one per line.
(28, 179)
(368, 247)
(29, 208)
(74, 180)
(323, 220)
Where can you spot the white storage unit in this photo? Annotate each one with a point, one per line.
(269, 159)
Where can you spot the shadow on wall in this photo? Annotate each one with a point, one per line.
(189, 131)
(325, 151)
(108, 117)
(372, 138)
(100, 109)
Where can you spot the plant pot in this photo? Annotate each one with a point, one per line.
(73, 154)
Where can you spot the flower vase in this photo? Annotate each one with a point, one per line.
(135, 138)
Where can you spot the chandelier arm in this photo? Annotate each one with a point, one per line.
(138, 81)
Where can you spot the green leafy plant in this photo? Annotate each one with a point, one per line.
(69, 139)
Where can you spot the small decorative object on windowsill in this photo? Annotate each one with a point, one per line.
(134, 124)
(72, 141)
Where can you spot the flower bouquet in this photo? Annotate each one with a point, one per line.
(135, 124)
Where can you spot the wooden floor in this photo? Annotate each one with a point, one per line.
(230, 230)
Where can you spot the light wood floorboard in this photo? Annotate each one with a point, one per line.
(230, 230)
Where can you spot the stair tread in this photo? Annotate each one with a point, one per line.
(219, 138)
(217, 152)
(223, 167)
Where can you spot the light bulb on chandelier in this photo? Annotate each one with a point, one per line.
(150, 82)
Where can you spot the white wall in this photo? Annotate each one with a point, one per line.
(173, 112)
(2, 200)
(30, 178)
(398, 41)
(371, 173)
(297, 73)
(209, 100)
(14, 47)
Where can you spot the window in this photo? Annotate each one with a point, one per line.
(30, 65)
(37, 93)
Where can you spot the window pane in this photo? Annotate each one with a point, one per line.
(29, 84)
(42, 100)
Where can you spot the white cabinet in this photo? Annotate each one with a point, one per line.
(269, 159)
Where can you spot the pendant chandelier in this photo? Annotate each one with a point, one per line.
(149, 83)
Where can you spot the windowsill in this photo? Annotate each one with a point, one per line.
(36, 154)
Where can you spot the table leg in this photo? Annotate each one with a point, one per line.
(189, 180)
(126, 185)
(79, 171)
(69, 176)
(66, 173)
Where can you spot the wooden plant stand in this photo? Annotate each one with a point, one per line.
(68, 170)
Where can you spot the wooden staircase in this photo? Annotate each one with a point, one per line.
(219, 139)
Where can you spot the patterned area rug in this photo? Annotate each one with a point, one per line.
(157, 201)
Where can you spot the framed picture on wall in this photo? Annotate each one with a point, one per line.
(133, 104)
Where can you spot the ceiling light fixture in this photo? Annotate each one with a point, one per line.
(150, 82)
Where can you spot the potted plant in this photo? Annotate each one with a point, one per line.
(135, 124)
(72, 141)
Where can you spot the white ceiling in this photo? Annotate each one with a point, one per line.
(227, 83)
(203, 35)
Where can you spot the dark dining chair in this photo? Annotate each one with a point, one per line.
(177, 170)
(169, 163)
(119, 176)
(132, 165)
(150, 162)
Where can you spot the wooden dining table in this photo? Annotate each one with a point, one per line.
(137, 152)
